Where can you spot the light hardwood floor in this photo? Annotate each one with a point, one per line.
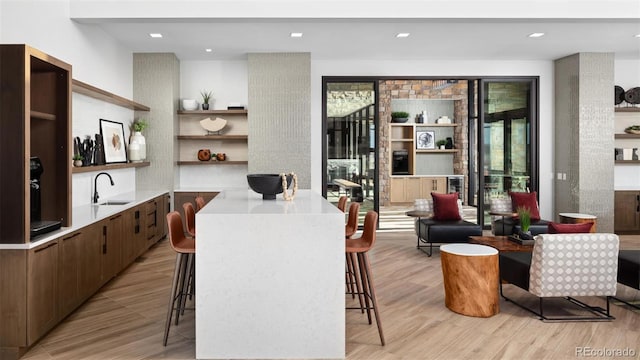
(125, 319)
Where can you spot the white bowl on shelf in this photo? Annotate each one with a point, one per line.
(189, 104)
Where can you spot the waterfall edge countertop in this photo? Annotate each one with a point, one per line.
(270, 277)
(88, 214)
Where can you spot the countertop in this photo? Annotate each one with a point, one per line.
(242, 201)
(85, 215)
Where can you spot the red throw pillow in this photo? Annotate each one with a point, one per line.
(526, 200)
(557, 228)
(445, 206)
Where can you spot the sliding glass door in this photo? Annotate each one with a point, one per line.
(507, 140)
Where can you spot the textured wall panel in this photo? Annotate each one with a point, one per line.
(280, 115)
(584, 136)
(156, 83)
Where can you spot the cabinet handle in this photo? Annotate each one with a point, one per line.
(46, 247)
(104, 239)
(70, 237)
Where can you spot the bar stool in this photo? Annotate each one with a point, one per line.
(190, 218)
(351, 274)
(342, 203)
(200, 203)
(184, 248)
(360, 247)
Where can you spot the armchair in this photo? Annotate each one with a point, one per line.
(565, 265)
(506, 225)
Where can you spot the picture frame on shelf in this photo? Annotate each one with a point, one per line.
(425, 140)
(114, 142)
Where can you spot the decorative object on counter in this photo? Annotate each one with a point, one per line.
(204, 154)
(627, 154)
(206, 96)
(425, 118)
(85, 149)
(269, 185)
(137, 142)
(443, 120)
(425, 140)
(399, 117)
(285, 185)
(618, 154)
(441, 144)
(98, 151)
(213, 127)
(618, 95)
(189, 105)
(220, 156)
(77, 160)
(419, 119)
(632, 96)
(524, 216)
(449, 143)
(634, 129)
(113, 134)
(634, 155)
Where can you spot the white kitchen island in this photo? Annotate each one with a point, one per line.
(270, 277)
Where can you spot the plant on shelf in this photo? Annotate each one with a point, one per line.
(634, 129)
(77, 160)
(399, 116)
(206, 96)
(441, 143)
(524, 215)
(139, 125)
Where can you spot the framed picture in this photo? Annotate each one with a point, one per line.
(425, 140)
(114, 144)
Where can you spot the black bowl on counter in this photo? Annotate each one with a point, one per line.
(269, 185)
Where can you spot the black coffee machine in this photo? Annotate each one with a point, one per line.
(38, 226)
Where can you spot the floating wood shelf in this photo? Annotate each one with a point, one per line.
(435, 151)
(213, 112)
(627, 136)
(212, 162)
(627, 109)
(213, 137)
(42, 115)
(85, 169)
(85, 89)
(628, 162)
(402, 140)
(424, 124)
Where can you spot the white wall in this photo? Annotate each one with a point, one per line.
(543, 69)
(97, 59)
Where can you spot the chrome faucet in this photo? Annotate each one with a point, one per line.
(95, 186)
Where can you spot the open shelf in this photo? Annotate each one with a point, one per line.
(627, 109)
(628, 162)
(212, 162)
(438, 151)
(213, 137)
(85, 169)
(80, 87)
(42, 115)
(212, 112)
(627, 136)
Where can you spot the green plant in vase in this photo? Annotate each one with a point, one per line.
(206, 96)
(399, 116)
(524, 215)
(441, 143)
(139, 125)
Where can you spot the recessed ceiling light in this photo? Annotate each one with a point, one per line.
(402, 35)
(536, 35)
(155, 35)
(296, 35)
(208, 50)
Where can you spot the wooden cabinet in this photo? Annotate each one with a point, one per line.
(156, 211)
(627, 212)
(35, 118)
(134, 240)
(231, 140)
(403, 137)
(112, 234)
(42, 290)
(407, 189)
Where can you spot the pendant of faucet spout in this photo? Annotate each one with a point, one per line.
(95, 185)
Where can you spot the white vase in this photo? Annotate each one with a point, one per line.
(137, 147)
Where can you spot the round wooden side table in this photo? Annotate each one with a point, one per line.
(471, 279)
(576, 218)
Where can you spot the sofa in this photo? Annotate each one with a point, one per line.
(439, 230)
(629, 271)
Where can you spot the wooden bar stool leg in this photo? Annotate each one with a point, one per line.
(365, 260)
(349, 277)
(181, 275)
(365, 284)
(354, 275)
(187, 282)
(174, 286)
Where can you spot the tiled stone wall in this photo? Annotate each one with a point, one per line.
(584, 136)
(279, 116)
(421, 89)
(156, 83)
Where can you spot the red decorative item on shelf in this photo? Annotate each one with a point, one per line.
(221, 156)
(204, 154)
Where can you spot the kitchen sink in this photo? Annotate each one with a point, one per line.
(115, 202)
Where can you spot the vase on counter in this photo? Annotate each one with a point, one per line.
(449, 144)
(137, 147)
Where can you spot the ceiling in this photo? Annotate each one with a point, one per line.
(375, 39)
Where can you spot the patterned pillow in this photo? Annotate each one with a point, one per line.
(526, 200)
(557, 228)
(445, 206)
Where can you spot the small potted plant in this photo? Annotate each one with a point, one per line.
(206, 96)
(399, 116)
(524, 215)
(137, 142)
(77, 160)
(441, 144)
(139, 125)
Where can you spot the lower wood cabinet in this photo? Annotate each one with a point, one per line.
(627, 212)
(42, 290)
(407, 189)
